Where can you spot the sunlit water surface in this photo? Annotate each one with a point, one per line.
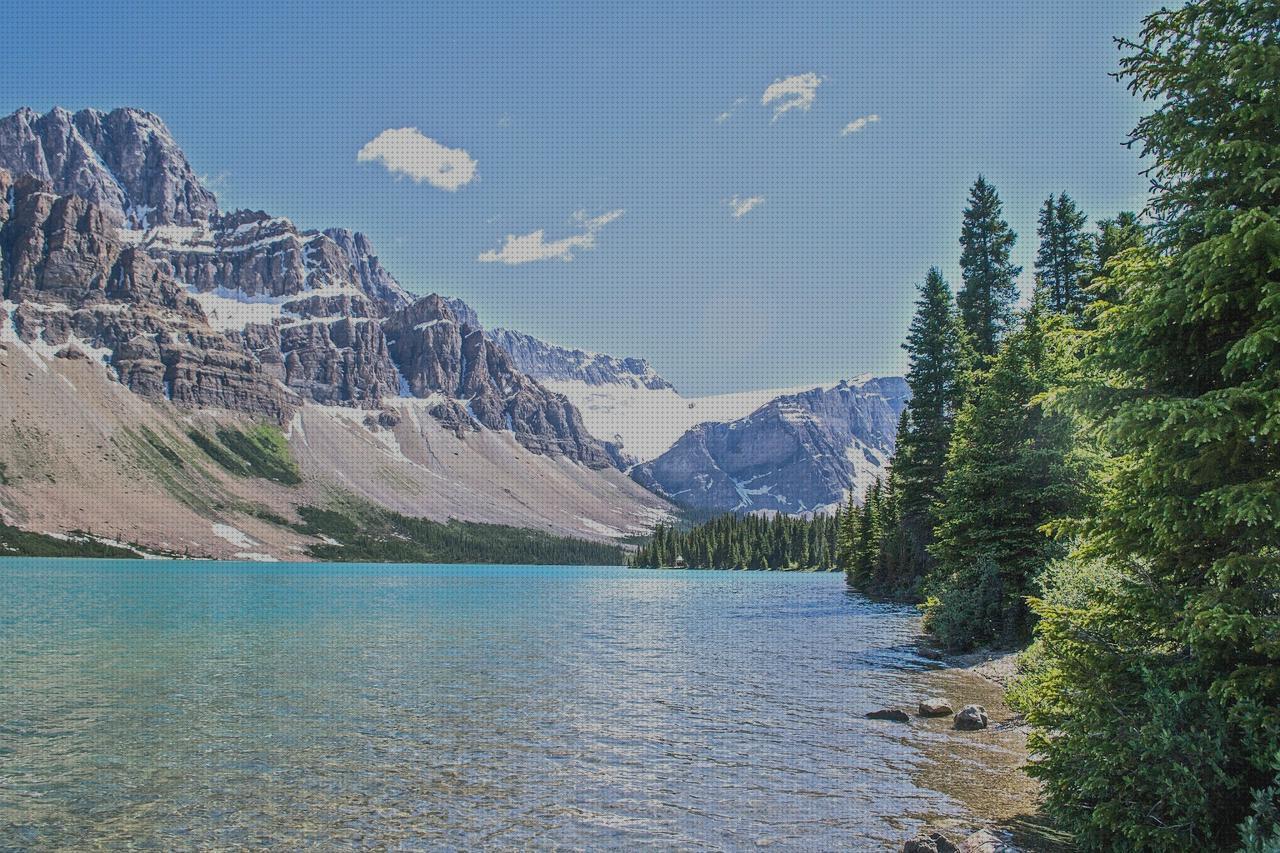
(196, 705)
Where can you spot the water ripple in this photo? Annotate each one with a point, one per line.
(239, 705)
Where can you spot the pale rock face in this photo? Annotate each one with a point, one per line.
(548, 361)
(800, 453)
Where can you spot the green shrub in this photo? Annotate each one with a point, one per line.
(968, 608)
(15, 542)
(258, 452)
(1260, 833)
(365, 533)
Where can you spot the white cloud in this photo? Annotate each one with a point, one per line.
(742, 206)
(859, 123)
(524, 248)
(405, 151)
(791, 93)
(728, 114)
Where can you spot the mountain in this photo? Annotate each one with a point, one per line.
(115, 260)
(125, 162)
(551, 362)
(799, 453)
(624, 399)
(795, 450)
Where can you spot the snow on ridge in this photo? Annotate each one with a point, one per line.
(649, 421)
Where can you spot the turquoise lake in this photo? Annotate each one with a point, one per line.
(171, 705)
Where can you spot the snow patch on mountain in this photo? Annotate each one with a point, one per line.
(647, 421)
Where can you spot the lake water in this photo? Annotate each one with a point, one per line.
(197, 705)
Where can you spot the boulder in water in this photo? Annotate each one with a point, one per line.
(936, 707)
(971, 718)
(934, 842)
(892, 714)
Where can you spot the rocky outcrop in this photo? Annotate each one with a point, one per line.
(548, 361)
(372, 278)
(74, 284)
(982, 841)
(125, 162)
(971, 718)
(342, 361)
(935, 707)
(438, 353)
(252, 254)
(932, 842)
(55, 247)
(799, 453)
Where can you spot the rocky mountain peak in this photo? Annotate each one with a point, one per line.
(442, 353)
(799, 453)
(549, 361)
(125, 161)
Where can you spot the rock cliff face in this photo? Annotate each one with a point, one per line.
(799, 453)
(548, 361)
(110, 245)
(373, 279)
(70, 282)
(440, 353)
(125, 161)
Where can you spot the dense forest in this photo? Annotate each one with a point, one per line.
(1099, 473)
(744, 542)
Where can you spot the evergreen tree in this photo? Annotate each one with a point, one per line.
(1114, 236)
(1062, 261)
(866, 550)
(935, 344)
(847, 534)
(990, 288)
(745, 542)
(1012, 469)
(1157, 680)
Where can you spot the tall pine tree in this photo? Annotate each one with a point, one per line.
(990, 279)
(866, 549)
(936, 348)
(1155, 700)
(1113, 237)
(1012, 469)
(1062, 261)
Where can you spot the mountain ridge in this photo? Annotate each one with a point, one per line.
(195, 310)
(799, 453)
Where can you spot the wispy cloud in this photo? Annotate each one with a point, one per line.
(405, 151)
(791, 93)
(525, 248)
(728, 114)
(859, 123)
(740, 207)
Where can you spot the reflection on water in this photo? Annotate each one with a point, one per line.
(205, 705)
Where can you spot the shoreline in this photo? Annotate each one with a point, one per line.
(984, 770)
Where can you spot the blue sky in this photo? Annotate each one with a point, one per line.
(600, 108)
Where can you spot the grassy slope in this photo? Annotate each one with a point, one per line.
(22, 543)
(368, 533)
